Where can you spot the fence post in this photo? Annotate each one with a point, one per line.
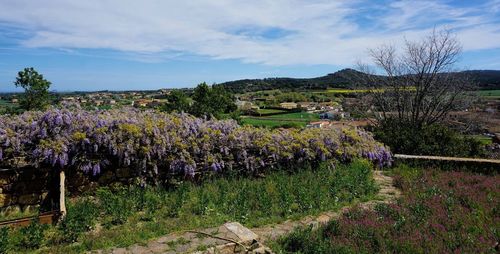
(62, 200)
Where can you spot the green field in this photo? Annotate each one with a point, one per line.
(297, 116)
(4, 103)
(272, 123)
(341, 91)
(270, 111)
(483, 139)
(489, 93)
(296, 119)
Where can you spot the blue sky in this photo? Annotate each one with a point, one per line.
(124, 45)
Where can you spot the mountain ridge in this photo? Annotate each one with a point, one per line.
(345, 78)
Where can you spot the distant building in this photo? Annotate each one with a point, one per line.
(309, 106)
(334, 115)
(288, 105)
(14, 100)
(141, 103)
(318, 124)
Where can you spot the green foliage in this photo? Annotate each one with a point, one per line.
(36, 89)
(116, 208)
(32, 236)
(176, 101)
(272, 123)
(211, 101)
(434, 139)
(4, 240)
(136, 214)
(81, 217)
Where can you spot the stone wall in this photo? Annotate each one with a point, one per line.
(30, 188)
(25, 189)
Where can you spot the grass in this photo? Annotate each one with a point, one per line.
(483, 139)
(440, 212)
(296, 119)
(129, 215)
(272, 123)
(270, 111)
(302, 116)
(489, 93)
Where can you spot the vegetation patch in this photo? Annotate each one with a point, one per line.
(118, 217)
(272, 123)
(489, 93)
(160, 147)
(440, 212)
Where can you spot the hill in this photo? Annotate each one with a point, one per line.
(486, 79)
(346, 78)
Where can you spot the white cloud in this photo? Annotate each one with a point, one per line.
(315, 32)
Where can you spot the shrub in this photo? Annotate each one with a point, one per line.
(159, 146)
(434, 139)
(32, 236)
(81, 217)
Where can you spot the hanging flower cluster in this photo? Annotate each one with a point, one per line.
(158, 144)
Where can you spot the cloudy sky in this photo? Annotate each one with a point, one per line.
(149, 44)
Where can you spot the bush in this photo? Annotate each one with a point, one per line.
(81, 217)
(434, 139)
(32, 236)
(159, 147)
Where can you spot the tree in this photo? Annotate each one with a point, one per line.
(419, 86)
(36, 89)
(211, 101)
(418, 89)
(177, 101)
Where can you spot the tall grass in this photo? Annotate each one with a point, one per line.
(128, 215)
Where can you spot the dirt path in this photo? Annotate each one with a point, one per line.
(234, 238)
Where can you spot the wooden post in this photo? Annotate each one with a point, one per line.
(62, 200)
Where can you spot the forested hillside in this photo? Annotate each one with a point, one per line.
(346, 78)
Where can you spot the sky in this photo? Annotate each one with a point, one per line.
(151, 44)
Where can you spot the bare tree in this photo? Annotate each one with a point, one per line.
(420, 85)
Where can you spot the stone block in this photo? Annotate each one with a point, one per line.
(106, 178)
(244, 234)
(123, 173)
(29, 199)
(6, 200)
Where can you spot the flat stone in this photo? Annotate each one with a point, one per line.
(119, 251)
(167, 238)
(157, 247)
(244, 234)
(136, 249)
(323, 219)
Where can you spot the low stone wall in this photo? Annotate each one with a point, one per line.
(25, 189)
(30, 188)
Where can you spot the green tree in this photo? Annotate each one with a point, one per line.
(211, 101)
(176, 101)
(36, 89)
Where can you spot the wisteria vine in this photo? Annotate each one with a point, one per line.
(157, 144)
